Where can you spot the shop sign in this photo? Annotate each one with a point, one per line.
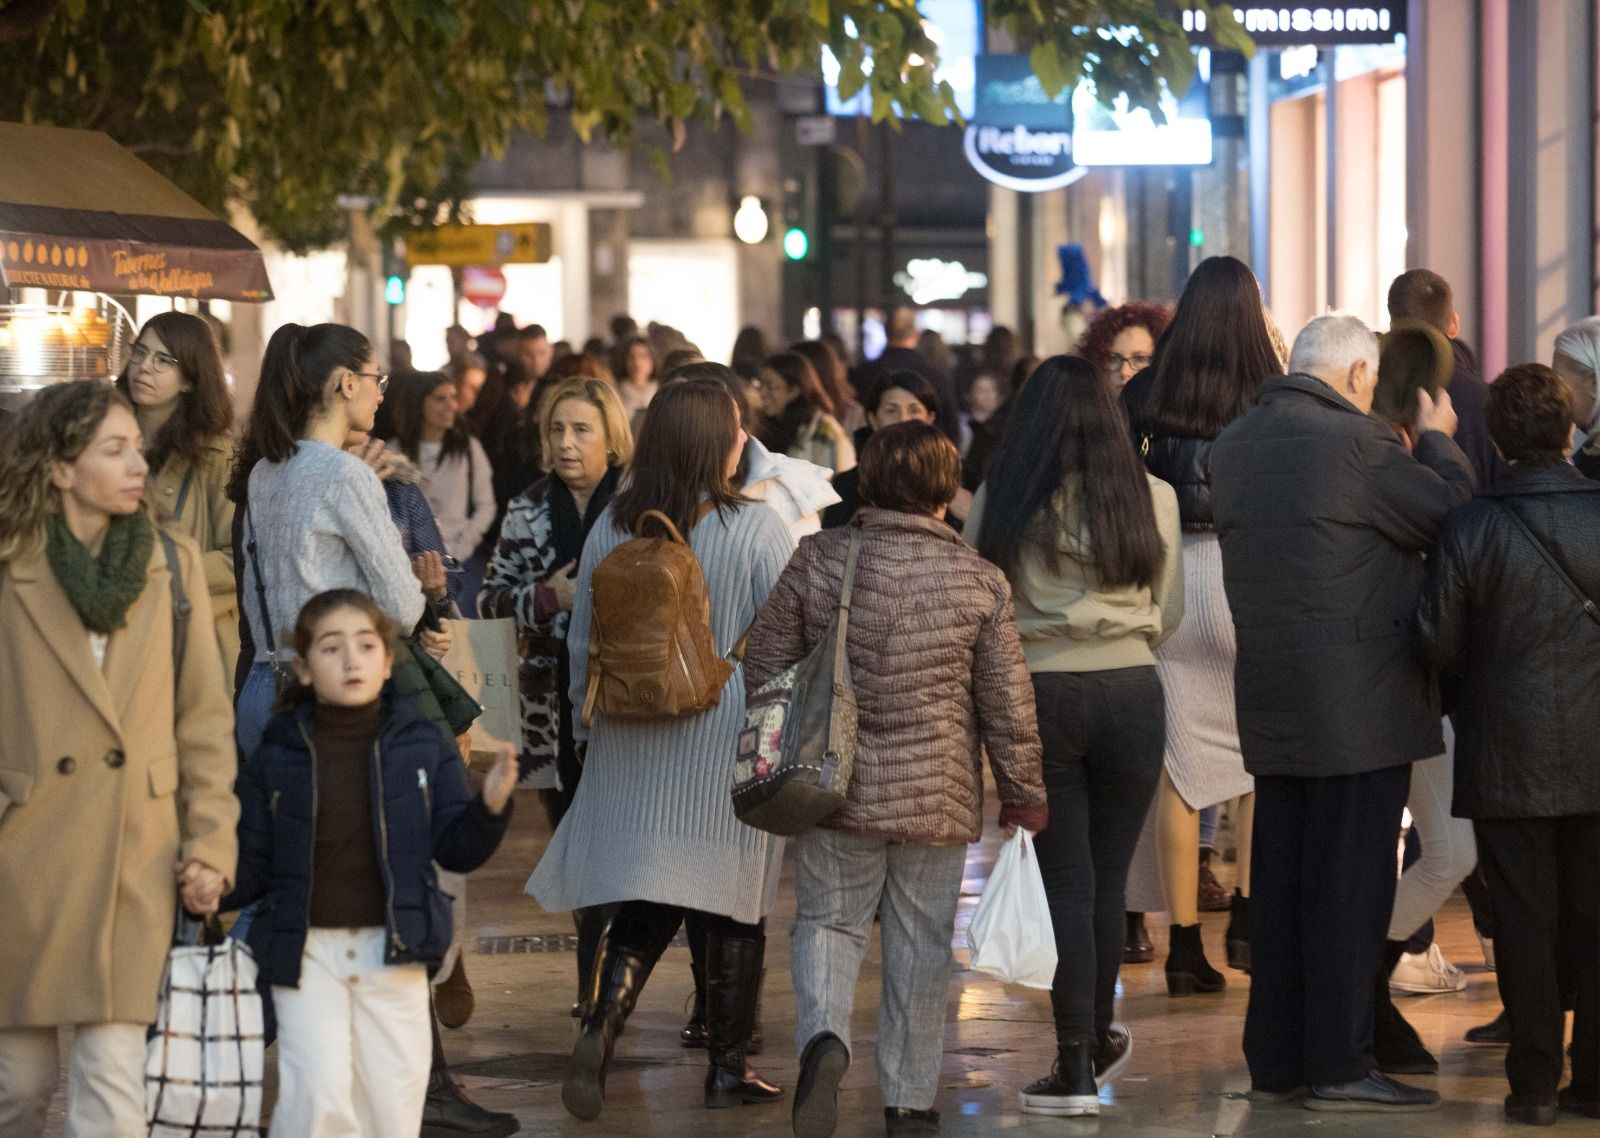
(90, 264)
(1022, 159)
(1322, 25)
(927, 280)
(459, 246)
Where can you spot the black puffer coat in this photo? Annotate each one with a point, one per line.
(1182, 462)
(1323, 519)
(422, 811)
(1495, 615)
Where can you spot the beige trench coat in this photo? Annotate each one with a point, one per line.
(103, 786)
(207, 517)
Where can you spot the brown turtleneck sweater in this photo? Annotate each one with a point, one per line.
(347, 889)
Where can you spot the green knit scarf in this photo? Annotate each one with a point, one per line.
(102, 588)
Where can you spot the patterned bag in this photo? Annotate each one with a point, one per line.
(206, 1053)
(798, 747)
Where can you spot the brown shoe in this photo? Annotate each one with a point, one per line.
(1212, 897)
(452, 997)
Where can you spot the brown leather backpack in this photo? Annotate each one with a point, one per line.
(652, 654)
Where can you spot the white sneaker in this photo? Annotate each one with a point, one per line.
(1426, 973)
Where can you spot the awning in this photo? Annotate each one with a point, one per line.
(77, 211)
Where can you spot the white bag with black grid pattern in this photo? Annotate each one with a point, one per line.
(206, 1053)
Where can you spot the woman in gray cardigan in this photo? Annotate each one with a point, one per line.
(652, 825)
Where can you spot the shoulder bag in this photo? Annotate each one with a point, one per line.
(1589, 608)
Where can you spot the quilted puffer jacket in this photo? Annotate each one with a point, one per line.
(1181, 462)
(1499, 620)
(938, 672)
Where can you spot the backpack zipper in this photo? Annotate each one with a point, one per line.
(427, 798)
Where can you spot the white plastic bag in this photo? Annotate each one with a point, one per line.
(204, 1057)
(1011, 936)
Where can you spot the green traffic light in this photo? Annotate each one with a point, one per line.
(1197, 237)
(796, 244)
(394, 290)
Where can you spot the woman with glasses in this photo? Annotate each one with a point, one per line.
(175, 380)
(799, 414)
(315, 516)
(899, 397)
(1121, 341)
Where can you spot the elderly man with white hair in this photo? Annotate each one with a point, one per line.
(1323, 519)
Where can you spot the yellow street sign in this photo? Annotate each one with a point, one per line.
(461, 245)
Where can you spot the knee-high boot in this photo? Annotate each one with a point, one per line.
(733, 984)
(620, 972)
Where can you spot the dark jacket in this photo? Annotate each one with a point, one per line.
(1497, 617)
(938, 672)
(948, 419)
(1323, 519)
(422, 813)
(1182, 462)
(1469, 395)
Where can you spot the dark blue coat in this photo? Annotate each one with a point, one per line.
(422, 812)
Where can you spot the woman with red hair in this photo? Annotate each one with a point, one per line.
(1121, 341)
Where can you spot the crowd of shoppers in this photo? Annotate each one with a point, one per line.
(1184, 568)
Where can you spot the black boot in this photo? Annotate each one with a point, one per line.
(1238, 936)
(733, 978)
(1396, 1047)
(757, 1040)
(1136, 946)
(447, 1113)
(694, 1032)
(1188, 971)
(619, 975)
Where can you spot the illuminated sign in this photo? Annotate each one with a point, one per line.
(1325, 25)
(1022, 159)
(928, 279)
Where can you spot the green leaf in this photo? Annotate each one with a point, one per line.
(1045, 59)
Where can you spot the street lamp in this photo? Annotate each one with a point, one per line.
(750, 221)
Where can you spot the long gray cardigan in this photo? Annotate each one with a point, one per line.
(653, 819)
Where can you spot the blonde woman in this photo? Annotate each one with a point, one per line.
(99, 740)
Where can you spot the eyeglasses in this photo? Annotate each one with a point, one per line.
(157, 361)
(381, 378)
(1139, 360)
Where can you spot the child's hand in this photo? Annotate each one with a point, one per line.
(200, 886)
(501, 779)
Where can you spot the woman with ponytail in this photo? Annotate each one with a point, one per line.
(314, 516)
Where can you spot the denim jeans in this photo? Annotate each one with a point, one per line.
(1103, 735)
(840, 881)
(254, 708)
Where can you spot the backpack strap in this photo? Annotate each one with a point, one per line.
(180, 604)
(656, 515)
(183, 491)
(1589, 608)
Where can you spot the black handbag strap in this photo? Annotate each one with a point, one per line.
(841, 629)
(261, 588)
(1550, 560)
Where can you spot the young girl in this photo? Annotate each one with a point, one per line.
(350, 797)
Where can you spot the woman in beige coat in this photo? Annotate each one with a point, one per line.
(116, 776)
(179, 390)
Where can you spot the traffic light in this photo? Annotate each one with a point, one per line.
(797, 216)
(394, 274)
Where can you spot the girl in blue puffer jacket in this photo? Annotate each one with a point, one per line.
(345, 806)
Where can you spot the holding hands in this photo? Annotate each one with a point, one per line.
(199, 886)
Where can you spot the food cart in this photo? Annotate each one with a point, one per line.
(83, 222)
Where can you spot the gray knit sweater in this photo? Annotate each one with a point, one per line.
(320, 521)
(653, 818)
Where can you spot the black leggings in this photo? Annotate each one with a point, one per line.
(647, 927)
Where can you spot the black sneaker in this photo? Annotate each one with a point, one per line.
(1570, 1101)
(1531, 1110)
(816, 1092)
(1069, 1090)
(903, 1122)
(1113, 1053)
(1496, 1033)
(1375, 1092)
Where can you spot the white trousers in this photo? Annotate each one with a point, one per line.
(1449, 848)
(354, 1046)
(105, 1080)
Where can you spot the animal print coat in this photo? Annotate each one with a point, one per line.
(523, 560)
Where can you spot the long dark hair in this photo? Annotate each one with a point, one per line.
(827, 364)
(796, 372)
(414, 391)
(205, 409)
(681, 456)
(1067, 434)
(292, 388)
(1213, 357)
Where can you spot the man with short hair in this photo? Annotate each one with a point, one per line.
(531, 348)
(1420, 294)
(900, 326)
(1323, 519)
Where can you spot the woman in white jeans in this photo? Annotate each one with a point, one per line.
(1449, 854)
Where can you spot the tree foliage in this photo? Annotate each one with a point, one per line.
(285, 106)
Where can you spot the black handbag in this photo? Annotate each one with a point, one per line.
(797, 751)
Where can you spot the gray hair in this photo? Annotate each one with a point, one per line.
(1332, 345)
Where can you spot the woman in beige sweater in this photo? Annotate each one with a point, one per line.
(1091, 545)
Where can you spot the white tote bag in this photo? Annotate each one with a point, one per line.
(206, 1053)
(1011, 937)
(483, 659)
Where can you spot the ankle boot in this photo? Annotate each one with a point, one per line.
(447, 1113)
(619, 976)
(1237, 938)
(1397, 1049)
(1188, 971)
(733, 978)
(694, 1032)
